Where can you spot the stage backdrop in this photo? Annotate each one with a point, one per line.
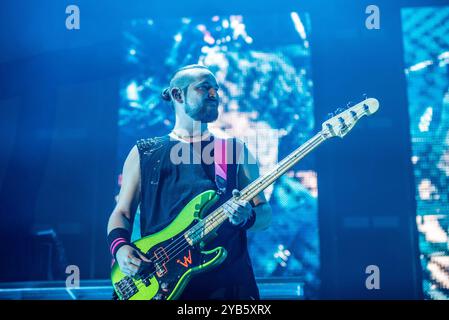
(262, 63)
(426, 47)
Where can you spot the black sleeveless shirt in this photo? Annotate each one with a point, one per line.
(167, 187)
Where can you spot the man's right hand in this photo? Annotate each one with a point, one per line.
(130, 260)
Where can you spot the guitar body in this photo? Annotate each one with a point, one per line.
(175, 261)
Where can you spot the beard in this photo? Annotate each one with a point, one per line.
(207, 112)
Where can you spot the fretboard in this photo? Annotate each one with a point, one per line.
(217, 217)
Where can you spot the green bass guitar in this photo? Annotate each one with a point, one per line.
(176, 253)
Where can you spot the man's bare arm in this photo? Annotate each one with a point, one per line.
(128, 199)
(128, 258)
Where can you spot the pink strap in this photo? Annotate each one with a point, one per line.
(220, 161)
(221, 166)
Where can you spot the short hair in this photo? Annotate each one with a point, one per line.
(179, 80)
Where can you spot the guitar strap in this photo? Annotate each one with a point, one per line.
(222, 153)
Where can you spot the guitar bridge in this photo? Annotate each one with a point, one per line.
(126, 288)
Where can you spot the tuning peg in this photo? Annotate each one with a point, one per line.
(365, 96)
(348, 105)
(330, 115)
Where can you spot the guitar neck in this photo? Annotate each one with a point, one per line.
(217, 217)
(263, 182)
(339, 125)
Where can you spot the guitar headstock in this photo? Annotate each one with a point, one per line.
(342, 123)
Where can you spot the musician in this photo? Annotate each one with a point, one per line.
(163, 187)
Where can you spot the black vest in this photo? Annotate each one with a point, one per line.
(166, 188)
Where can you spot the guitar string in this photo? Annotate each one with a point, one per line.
(200, 226)
(219, 215)
(128, 288)
(141, 285)
(311, 145)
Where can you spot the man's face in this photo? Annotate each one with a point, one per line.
(202, 97)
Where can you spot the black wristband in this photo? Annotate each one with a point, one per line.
(117, 238)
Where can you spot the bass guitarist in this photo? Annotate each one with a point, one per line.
(154, 178)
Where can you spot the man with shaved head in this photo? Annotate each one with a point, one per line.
(162, 186)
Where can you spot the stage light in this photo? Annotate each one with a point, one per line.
(131, 92)
(209, 39)
(421, 65)
(178, 37)
(186, 20)
(298, 25)
(425, 120)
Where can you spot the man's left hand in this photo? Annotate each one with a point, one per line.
(238, 211)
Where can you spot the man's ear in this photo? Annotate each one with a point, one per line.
(177, 94)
